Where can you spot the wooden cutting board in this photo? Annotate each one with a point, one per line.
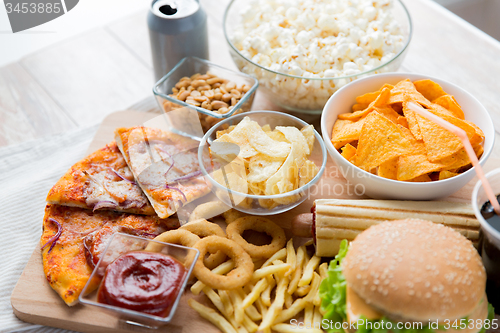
(34, 301)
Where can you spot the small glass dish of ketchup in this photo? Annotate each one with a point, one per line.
(140, 280)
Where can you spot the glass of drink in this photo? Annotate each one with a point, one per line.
(489, 245)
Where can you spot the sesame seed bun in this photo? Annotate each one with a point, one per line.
(415, 270)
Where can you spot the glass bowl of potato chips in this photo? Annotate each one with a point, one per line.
(393, 153)
(262, 162)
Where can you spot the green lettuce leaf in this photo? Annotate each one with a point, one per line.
(332, 290)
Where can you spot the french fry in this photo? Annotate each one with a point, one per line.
(308, 271)
(250, 310)
(273, 269)
(255, 293)
(223, 268)
(288, 328)
(316, 280)
(212, 316)
(277, 305)
(302, 291)
(309, 315)
(288, 300)
(291, 312)
(323, 270)
(239, 312)
(318, 316)
(291, 257)
(280, 255)
(215, 298)
(261, 307)
(297, 274)
(266, 294)
(226, 301)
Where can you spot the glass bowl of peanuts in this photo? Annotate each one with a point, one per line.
(213, 91)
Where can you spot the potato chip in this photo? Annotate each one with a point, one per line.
(450, 103)
(380, 141)
(261, 167)
(284, 179)
(266, 128)
(445, 174)
(430, 89)
(405, 91)
(308, 132)
(260, 141)
(293, 135)
(389, 169)
(307, 172)
(268, 203)
(348, 152)
(277, 136)
(257, 188)
(231, 180)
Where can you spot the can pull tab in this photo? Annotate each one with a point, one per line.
(168, 9)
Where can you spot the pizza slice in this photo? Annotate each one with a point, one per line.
(71, 236)
(165, 166)
(101, 180)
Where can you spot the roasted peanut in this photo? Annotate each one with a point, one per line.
(226, 97)
(219, 104)
(236, 93)
(183, 95)
(209, 92)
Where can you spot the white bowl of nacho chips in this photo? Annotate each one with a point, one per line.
(408, 159)
(265, 161)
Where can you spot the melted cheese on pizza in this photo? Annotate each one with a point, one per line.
(102, 180)
(165, 165)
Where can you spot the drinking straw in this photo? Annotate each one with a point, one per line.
(468, 148)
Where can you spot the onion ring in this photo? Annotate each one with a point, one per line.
(203, 228)
(260, 224)
(208, 210)
(238, 277)
(178, 236)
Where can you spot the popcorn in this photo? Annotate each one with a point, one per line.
(315, 40)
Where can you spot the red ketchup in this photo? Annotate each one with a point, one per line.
(147, 282)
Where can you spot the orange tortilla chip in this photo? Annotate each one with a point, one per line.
(450, 103)
(405, 91)
(403, 122)
(370, 97)
(380, 101)
(439, 142)
(389, 169)
(421, 179)
(380, 141)
(345, 131)
(430, 89)
(413, 166)
(359, 107)
(348, 152)
(412, 122)
(445, 174)
(389, 113)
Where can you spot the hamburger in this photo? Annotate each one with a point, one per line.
(406, 276)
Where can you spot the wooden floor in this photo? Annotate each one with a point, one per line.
(79, 81)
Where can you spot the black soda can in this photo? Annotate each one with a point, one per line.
(177, 29)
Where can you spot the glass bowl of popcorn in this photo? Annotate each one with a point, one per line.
(303, 51)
